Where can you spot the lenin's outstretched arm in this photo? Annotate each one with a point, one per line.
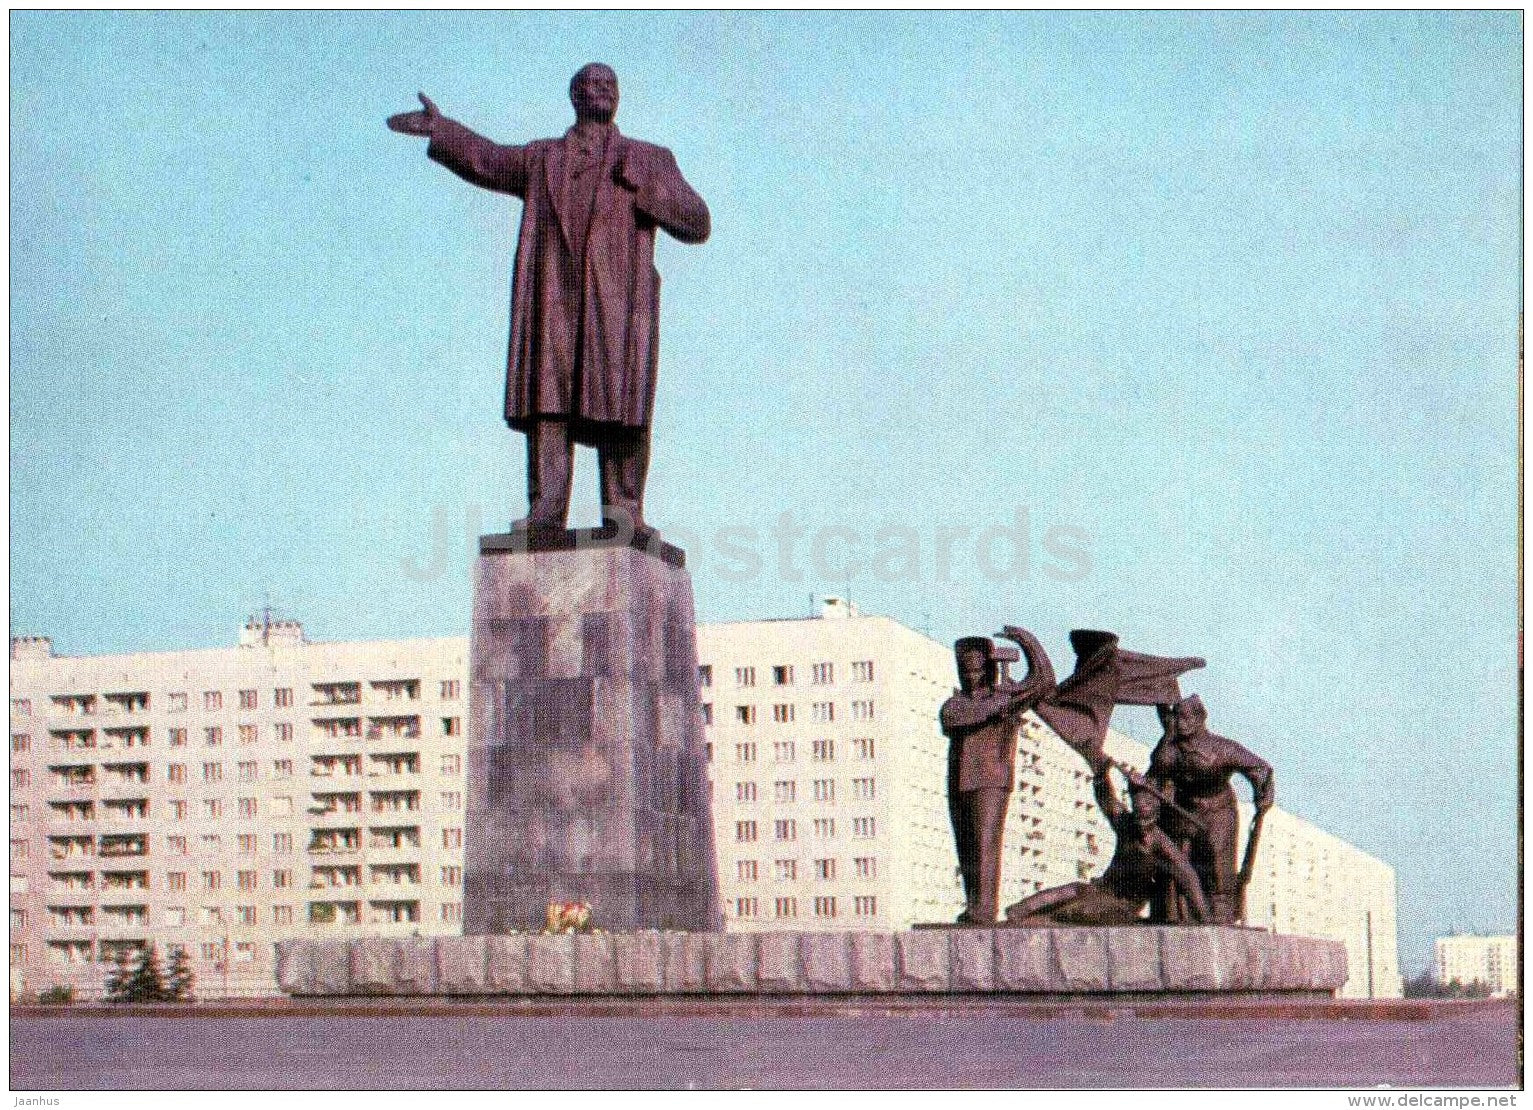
(478, 160)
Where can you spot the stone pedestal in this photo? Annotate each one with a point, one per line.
(586, 775)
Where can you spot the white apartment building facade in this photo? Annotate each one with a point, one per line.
(218, 800)
(1469, 959)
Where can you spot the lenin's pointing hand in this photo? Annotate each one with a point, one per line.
(417, 123)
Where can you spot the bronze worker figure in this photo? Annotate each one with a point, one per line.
(1145, 862)
(1195, 766)
(980, 721)
(585, 295)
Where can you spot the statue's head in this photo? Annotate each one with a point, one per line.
(976, 662)
(1191, 716)
(1146, 808)
(593, 92)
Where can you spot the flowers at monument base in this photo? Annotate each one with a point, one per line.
(568, 917)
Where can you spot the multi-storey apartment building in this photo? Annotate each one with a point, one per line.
(1471, 960)
(221, 799)
(214, 800)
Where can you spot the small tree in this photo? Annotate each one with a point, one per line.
(57, 996)
(119, 979)
(148, 982)
(178, 977)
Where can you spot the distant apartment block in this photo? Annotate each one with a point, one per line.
(1477, 960)
(215, 800)
(218, 800)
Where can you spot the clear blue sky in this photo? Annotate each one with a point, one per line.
(1225, 305)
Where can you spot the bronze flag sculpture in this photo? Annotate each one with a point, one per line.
(585, 295)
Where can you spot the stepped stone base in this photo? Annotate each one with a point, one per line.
(1132, 961)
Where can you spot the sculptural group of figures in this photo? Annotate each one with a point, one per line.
(1177, 835)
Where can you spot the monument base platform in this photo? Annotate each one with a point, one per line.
(1131, 962)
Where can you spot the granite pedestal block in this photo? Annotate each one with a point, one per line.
(1053, 963)
(586, 774)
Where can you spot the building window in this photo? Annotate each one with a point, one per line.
(745, 676)
(282, 768)
(213, 737)
(784, 790)
(178, 703)
(247, 699)
(175, 845)
(746, 908)
(449, 689)
(281, 843)
(212, 844)
(248, 734)
(824, 751)
(212, 772)
(211, 880)
(825, 790)
(863, 748)
(863, 789)
(746, 870)
(864, 827)
(745, 832)
(787, 907)
(824, 828)
(21, 778)
(825, 869)
(21, 742)
(175, 916)
(822, 674)
(785, 829)
(823, 712)
(212, 808)
(247, 844)
(247, 807)
(452, 911)
(246, 771)
(175, 772)
(862, 671)
(782, 714)
(745, 792)
(867, 867)
(782, 676)
(21, 707)
(452, 838)
(284, 733)
(865, 905)
(175, 881)
(785, 870)
(212, 700)
(862, 710)
(282, 697)
(705, 675)
(247, 880)
(452, 799)
(745, 714)
(19, 813)
(783, 751)
(745, 753)
(282, 915)
(178, 738)
(282, 879)
(825, 906)
(19, 849)
(452, 876)
(244, 915)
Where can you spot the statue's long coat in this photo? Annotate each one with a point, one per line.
(584, 323)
